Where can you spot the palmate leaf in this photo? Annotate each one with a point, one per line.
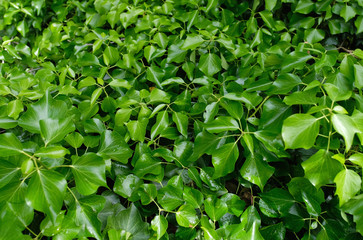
(130, 221)
(321, 168)
(46, 192)
(89, 173)
(224, 159)
(9, 145)
(44, 109)
(256, 170)
(355, 207)
(300, 131)
(348, 184)
(114, 146)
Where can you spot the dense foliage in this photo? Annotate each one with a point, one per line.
(181, 119)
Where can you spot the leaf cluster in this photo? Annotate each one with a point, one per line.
(181, 119)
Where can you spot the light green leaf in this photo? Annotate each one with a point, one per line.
(305, 6)
(14, 108)
(10, 145)
(89, 173)
(358, 76)
(147, 164)
(347, 12)
(45, 108)
(210, 64)
(74, 139)
(270, 4)
(52, 152)
(221, 124)
(110, 55)
(159, 224)
(348, 185)
(300, 131)
(54, 130)
(192, 42)
(215, 208)
(346, 127)
(314, 35)
(8, 171)
(321, 168)
(155, 74)
(130, 221)
(162, 122)
(46, 192)
(224, 159)
(88, 59)
(186, 216)
(127, 186)
(137, 129)
(181, 121)
(114, 146)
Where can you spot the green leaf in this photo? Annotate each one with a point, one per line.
(155, 75)
(312, 206)
(270, 4)
(181, 121)
(159, 224)
(186, 216)
(45, 108)
(74, 139)
(234, 203)
(346, 127)
(162, 122)
(46, 192)
(279, 200)
(210, 64)
(137, 129)
(215, 208)
(127, 186)
(221, 124)
(321, 168)
(295, 60)
(193, 197)
(54, 130)
(88, 59)
(256, 170)
(8, 172)
(347, 12)
(274, 232)
(9, 145)
(110, 55)
(300, 131)
(192, 42)
(224, 159)
(355, 207)
(114, 146)
(130, 221)
(358, 76)
(14, 108)
(147, 165)
(52, 152)
(314, 35)
(89, 173)
(348, 185)
(359, 24)
(305, 6)
(254, 233)
(84, 213)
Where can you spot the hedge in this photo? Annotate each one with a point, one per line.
(181, 119)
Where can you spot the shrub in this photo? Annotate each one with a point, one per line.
(181, 119)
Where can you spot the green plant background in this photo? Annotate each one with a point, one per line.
(181, 119)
